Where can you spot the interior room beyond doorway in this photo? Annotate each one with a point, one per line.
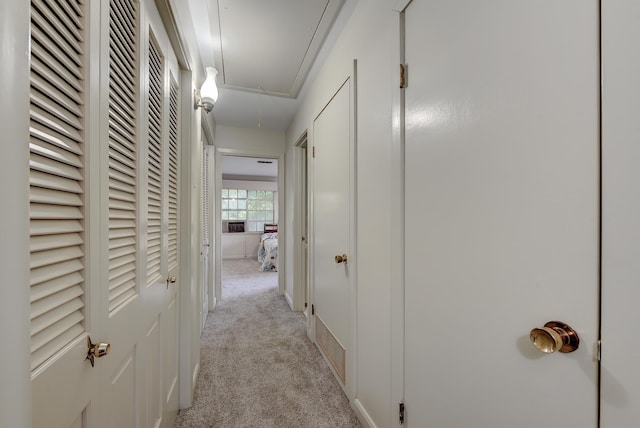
(249, 211)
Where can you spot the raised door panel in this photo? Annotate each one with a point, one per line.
(170, 361)
(120, 397)
(152, 377)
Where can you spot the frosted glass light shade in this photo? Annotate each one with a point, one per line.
(209, 90)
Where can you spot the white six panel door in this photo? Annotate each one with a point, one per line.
(502, 178)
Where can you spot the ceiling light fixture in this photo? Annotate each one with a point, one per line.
(207, 96)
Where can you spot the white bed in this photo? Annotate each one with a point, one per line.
(268, 249)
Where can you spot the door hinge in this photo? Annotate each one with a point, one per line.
(599, 350)
(313, 310)
(403, 76)
(313, 151)
(401, 412)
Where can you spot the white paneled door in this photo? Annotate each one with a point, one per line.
(104, 197)
(502, 211)
(332, 250)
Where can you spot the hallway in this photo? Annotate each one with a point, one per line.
(258, 368)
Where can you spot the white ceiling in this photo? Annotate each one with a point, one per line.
(246, 166)
(264, 51)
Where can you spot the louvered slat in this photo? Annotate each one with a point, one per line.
(43, 243)
(56, 286)
(56, 176)
(54, 212)
(154, 164)
(172, 196)
(42, 134)
(123, 30)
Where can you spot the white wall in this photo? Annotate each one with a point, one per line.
(368, 37)
(264, 142)
(250, 185)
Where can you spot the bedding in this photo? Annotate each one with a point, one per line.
(268, 252)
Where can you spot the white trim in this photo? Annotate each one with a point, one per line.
(282, 233)
(620, 105)
(401, 5)
(362, 414)
(288, 299)
(353, 251)
(15, 389)
(188, 138)
(397, 222)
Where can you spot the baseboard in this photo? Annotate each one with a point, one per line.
(289, 300)
(362, 414)
(194, 378)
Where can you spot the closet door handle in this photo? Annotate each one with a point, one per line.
(341, 259)
(555, 336)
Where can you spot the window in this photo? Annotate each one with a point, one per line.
(255, 207)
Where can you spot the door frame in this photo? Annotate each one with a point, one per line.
(15, 328)
(208, 146)
(397, 215)
(300, 216)
(282, 234)
(620, 228)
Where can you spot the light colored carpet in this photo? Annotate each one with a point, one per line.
(258, 368)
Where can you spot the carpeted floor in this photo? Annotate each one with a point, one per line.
(258, 368)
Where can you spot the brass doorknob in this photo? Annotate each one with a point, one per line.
(96, 350)
(171, 279)
(555, 336)
(341, 258)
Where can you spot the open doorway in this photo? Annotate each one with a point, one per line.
(249, 215)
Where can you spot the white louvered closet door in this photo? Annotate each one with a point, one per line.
(205, 229)
(141, 317)
(104, 194)
(62, 312)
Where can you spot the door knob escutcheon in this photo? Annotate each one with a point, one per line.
(555, 336)
(341, 258)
